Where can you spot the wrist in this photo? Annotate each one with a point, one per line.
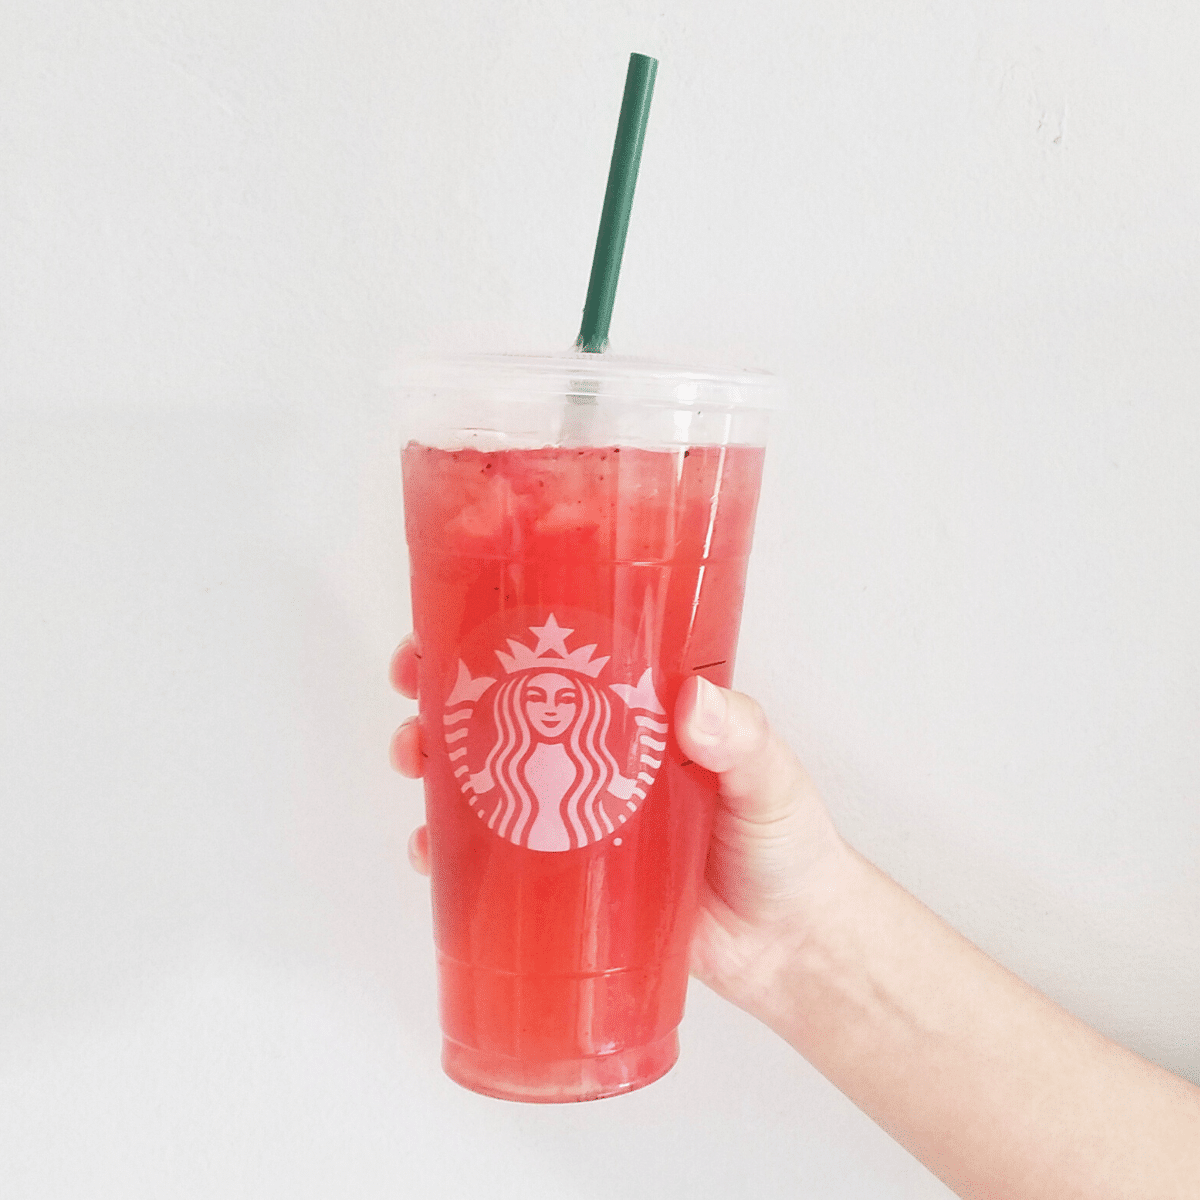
(816, 948)
(799, 945)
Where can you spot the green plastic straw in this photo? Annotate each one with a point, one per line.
(618, 200)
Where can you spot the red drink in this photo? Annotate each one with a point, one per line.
(560, 598)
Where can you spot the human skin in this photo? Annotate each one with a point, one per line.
(999, 1091)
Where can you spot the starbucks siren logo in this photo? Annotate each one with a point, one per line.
(553, 759)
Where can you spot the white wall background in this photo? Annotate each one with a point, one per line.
(967, 232)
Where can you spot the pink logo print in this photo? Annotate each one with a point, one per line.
(553, 759)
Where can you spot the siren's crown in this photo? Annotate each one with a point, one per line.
(550, 637)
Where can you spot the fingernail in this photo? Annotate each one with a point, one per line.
(711, 709)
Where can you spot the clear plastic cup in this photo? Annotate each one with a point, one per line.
(578, 530)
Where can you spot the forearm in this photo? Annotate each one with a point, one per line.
(996, 1089)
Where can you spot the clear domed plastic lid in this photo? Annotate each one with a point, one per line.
(582, 399)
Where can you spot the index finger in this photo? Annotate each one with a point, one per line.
(403, 671)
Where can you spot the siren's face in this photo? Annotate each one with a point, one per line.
(551, 702)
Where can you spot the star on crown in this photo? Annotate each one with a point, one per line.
(551, 637)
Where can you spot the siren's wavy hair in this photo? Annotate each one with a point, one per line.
(587, 743)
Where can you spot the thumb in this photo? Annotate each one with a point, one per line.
(761, 780)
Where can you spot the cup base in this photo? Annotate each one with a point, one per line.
(566, 1081)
